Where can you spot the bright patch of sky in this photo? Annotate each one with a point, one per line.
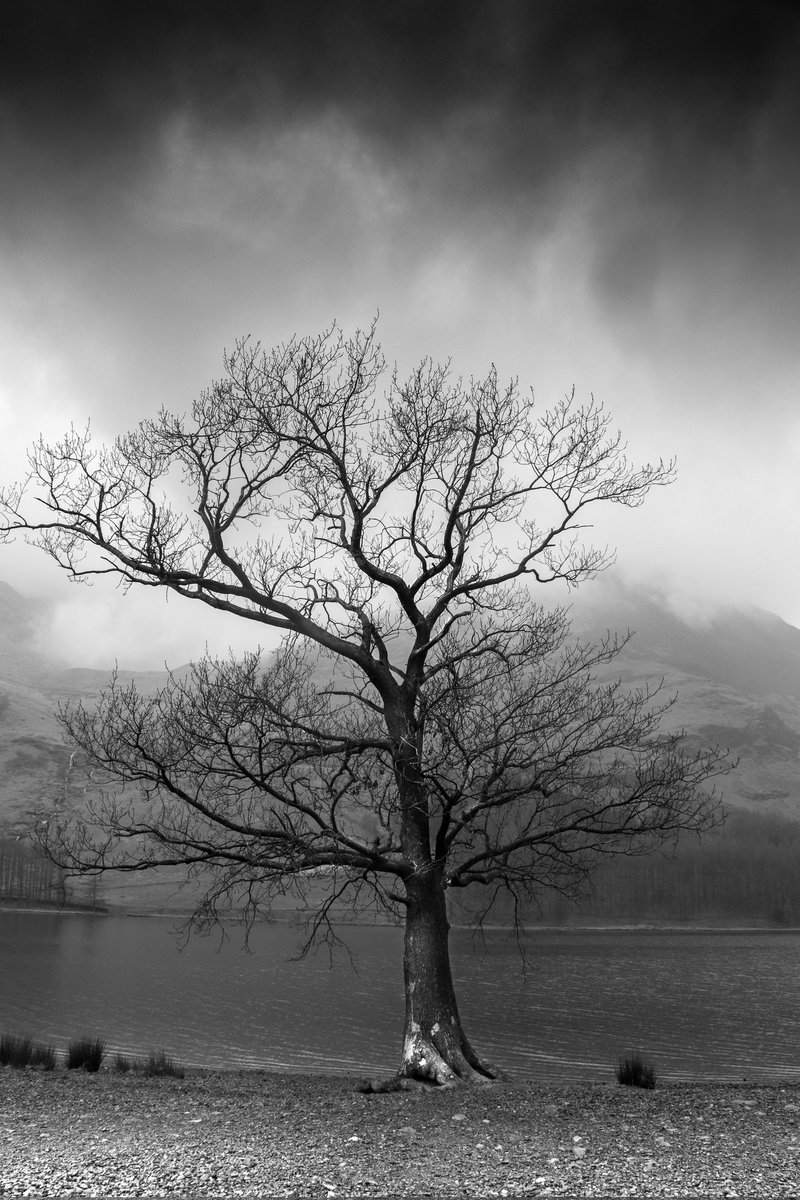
(604, 196)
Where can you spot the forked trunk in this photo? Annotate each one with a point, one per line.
(435, 1047)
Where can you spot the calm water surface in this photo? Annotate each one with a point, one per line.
(702, 1005)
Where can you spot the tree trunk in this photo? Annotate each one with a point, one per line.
(435, 1047)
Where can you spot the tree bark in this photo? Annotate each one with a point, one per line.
(435, 1048)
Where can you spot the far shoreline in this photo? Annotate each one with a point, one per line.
(294, 917)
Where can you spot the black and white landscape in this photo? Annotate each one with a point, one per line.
(735, 676)
(374, 321)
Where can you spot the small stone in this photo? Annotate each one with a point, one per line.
(407, 1130)
(577, 1138)
(354, 1138)
(579, 1151)
(458, 1117)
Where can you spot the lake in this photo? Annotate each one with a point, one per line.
(701, 1005)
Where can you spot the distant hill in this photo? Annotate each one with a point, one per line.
(736, 674)
(33, 756)
(34, 759)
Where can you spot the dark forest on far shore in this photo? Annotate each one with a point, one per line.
(745, 872)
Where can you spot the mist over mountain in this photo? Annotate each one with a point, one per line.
(735, 674)
(750, 650)
(33, 682)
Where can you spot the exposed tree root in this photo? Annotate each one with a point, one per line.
(404, 1083)
(381, 1087)
(426, 1065)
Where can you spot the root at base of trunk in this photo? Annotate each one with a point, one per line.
(408, 1083)
(425, 1065)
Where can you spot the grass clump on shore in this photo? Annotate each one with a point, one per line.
(159, 1063)
(20, 1052)
(43, 1056)
(85, 1052)
(15, 1051)
(633, 1071)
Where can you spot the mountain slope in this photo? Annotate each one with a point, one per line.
(736, 678)
(736, 675)
(33, 756)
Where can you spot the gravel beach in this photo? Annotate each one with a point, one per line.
(67, 1133)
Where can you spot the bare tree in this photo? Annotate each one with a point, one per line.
(457, 736)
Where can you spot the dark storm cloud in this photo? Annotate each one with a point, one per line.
(676, 122)
(599, 191)
(527, 85)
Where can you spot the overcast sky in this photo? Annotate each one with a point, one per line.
(599, 194)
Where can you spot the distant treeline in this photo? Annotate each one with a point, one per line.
(28, 878)
(746, 871)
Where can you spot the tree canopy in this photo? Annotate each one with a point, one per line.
(427, 723)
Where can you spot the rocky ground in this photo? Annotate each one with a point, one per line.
(257, 1134)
